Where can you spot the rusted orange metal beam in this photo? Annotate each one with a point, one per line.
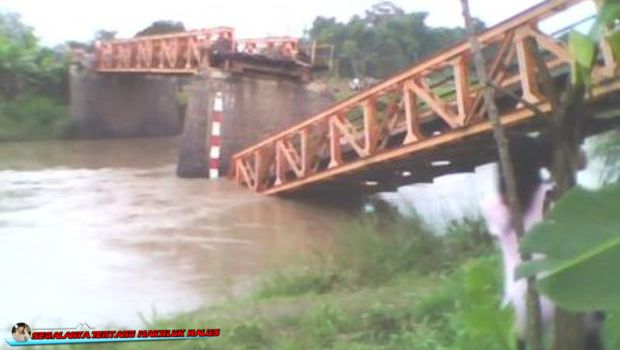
(175, 53)
(537, 13)
(184, 52)
(517, 117)
(342, 143)
(277, 46)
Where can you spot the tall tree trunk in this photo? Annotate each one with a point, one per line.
(534, 322)
(567, 133)
(569, 327)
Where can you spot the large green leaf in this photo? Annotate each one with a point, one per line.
(609, 12)
(580, 241)
(608, 15)
(613, 39)
(583, 49)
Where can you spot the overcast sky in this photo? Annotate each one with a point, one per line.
(61, 20)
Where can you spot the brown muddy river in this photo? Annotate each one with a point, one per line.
(100, 231)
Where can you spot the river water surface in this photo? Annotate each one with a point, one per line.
(101, 231)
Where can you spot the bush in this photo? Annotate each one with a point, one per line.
(299, 281)
(250, 334)
(370, 252)
(33, 117)
(384, 322)
(467, 238)
(465, 312)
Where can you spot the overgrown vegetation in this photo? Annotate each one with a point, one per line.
(162, 27)
(371, 252)
(378, 286)
(578, 238)
(394, 286)
(33, 84)
(383, 41)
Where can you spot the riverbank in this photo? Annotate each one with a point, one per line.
(382, 284)
(34, 117)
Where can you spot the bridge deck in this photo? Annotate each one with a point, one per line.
(426, 121)
(191, 51)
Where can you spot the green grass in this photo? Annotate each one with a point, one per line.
(33, 118)
(370, 252)
(411, 311)
(382, 285)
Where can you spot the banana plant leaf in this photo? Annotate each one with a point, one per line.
(580, 242)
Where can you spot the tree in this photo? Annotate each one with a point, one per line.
(581, 235)
(568, 117)
(33, 83)
(18, 49)
(382, 11)
(104, 35)
(534, 322)
(384, 40)
(162, 27)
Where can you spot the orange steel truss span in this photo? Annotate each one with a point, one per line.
(282, 46)
(184, 52)
(433, 103)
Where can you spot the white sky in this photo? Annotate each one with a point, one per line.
(61, 20)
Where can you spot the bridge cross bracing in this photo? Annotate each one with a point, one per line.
(189, 52)
(395, 132)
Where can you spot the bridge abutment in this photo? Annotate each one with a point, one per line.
(125, 105)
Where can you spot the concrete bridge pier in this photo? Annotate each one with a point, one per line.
(254, 107)
(125, 105)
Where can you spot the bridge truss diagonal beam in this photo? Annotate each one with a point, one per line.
(432, 104)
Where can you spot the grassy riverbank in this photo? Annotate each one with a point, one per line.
(34, 118)
(379, 286)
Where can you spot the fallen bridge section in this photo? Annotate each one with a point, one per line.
(426, 121)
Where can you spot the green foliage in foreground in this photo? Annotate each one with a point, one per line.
(584, 48)
(580, 239)
(371, 252)
(455, 306)
(403, 296)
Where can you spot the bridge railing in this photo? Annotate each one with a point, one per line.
(431, 98)
(275, 47)
(175, 52)
(187, 52)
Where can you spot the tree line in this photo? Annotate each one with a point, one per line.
(27, 67)
(33, 84)
(384, 40)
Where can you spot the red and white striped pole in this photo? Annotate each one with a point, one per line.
(215, 144)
